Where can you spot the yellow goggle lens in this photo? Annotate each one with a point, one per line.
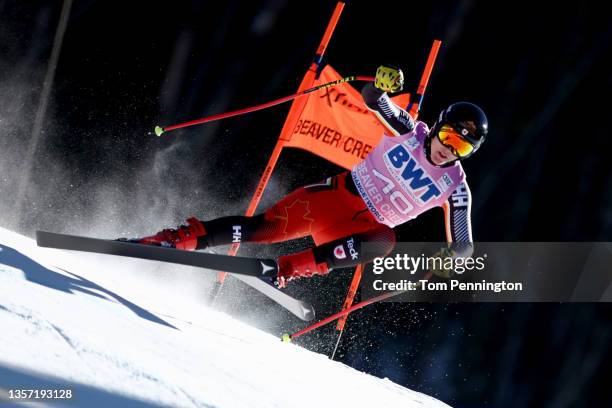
(450, 138)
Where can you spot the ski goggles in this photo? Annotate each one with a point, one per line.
(450, 138)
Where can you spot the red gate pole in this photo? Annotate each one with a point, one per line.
(296, 109)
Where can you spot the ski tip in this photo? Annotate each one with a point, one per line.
(286, 338)
(39, 235)
(42, 239)
(159, 131)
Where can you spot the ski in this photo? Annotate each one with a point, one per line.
(233, 264)
(249, 270)
(299, 308)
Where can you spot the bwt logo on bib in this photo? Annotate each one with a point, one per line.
(412, 173)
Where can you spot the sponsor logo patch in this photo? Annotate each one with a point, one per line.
(445, 182)
(412, 143)
(351, 246)
(411, 175)
(237, 233)
(339, 252)
(460, 196)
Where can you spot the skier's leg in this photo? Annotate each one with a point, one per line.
(325, 211)
(236, 229)
(340, 253)
(221, 231)
(306, 211)
(314, 209)
(183, 237)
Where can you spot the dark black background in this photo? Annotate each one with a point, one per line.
(542, 75)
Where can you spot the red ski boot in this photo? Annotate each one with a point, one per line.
(300, 265)
(184, 237)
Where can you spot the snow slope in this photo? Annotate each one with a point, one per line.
(90, 323)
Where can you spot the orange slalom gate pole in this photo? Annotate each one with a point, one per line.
(329, 31)
(413, 108)
(296, 109)
(350, 296)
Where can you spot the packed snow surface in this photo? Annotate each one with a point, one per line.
(88, 323)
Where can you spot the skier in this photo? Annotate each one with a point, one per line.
(405, 175)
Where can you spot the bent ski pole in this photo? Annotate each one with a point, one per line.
(288, 337)
(161, 130)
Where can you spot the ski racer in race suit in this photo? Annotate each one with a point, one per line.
(405, 175)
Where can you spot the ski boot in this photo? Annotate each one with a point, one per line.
(300, 265)
(184, 237)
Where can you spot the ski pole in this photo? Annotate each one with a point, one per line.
(288, 337)
(161, 130)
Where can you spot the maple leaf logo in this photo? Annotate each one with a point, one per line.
(297, 222)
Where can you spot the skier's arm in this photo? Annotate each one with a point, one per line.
(458, 226)
(458, 222)
(396, 119)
